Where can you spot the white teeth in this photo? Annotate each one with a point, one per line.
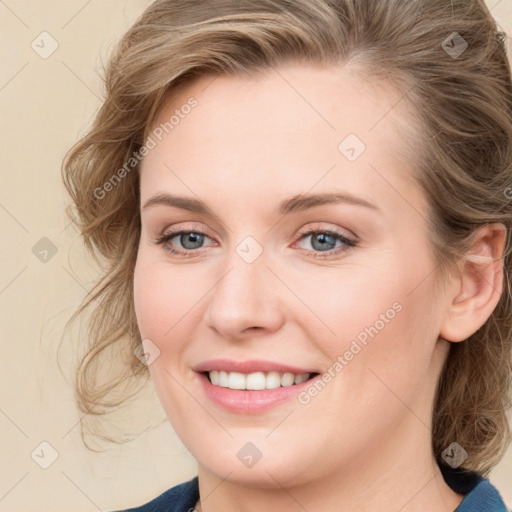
(273, 380)
(223, 379)
(288, 379)
(256, 381)
(236, 380)
(301, 378)
(214, 377)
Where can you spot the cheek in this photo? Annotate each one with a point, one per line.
(390, 341)
(150, 299)
(356, 304)
(165, 297)
(388, 303)
(377, 318)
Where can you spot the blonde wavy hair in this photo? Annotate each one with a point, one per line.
(463, 160)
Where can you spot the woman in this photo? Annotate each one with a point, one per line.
(305, 208)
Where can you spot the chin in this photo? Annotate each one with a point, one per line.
(273, 470)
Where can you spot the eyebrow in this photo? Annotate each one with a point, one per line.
(297, 203)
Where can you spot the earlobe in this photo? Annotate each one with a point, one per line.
(478, 287)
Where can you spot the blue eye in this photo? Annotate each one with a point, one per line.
(190, 237)
(190, 241)
(321, 241)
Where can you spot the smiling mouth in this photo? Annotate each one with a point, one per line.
(257, 380)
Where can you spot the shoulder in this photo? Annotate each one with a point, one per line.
(483, 497)
(180, 498)
(479, 494)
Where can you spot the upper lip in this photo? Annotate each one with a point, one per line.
(250, 366)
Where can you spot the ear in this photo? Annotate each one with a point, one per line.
(477, 289)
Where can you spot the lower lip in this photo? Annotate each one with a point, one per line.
(251, 402)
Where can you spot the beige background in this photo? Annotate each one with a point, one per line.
(46, 104)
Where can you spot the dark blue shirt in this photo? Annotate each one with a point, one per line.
(480, 494)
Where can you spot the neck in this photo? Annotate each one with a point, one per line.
(411, 483)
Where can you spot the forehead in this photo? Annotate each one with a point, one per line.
(339, 86)
(290, 126)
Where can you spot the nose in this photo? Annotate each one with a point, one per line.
(244, 300)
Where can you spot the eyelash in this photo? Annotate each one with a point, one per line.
(190, 253)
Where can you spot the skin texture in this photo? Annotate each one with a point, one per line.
(364, 442)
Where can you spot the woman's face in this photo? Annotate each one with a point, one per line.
(249, 290)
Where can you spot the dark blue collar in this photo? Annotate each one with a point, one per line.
(480, 494)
